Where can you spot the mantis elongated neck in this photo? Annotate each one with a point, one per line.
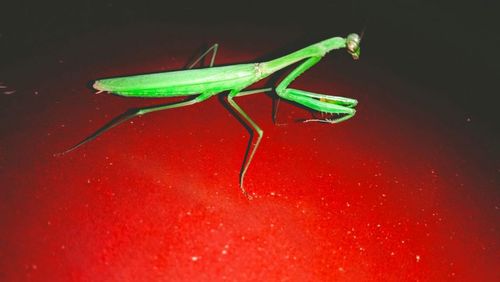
(316, 50)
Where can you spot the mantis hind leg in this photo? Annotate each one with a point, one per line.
(131, 113)
(212, 60)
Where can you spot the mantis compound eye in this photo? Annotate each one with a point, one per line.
(352, 43)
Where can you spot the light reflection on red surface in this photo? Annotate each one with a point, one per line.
(385, 196)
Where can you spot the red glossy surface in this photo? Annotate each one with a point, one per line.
(394, 194)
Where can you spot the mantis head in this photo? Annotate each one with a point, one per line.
(352, 44)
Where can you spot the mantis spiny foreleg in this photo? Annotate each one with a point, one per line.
(337, 105)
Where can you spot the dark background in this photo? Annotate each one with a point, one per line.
(447, 46)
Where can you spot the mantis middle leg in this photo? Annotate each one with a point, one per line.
(249, 155)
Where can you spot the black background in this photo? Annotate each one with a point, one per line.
(449, 46)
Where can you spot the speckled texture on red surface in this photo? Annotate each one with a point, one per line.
(393, 194)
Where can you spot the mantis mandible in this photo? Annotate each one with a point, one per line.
(208, 82)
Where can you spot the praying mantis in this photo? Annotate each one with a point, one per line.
(210, 81)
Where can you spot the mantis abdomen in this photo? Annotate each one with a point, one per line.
(182, 83)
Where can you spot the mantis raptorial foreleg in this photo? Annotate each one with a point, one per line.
(296, 73)
(291, 77)
(281, 89)
(327, 120)
(337, 105)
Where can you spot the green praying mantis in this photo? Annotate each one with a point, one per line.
(210, 81)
